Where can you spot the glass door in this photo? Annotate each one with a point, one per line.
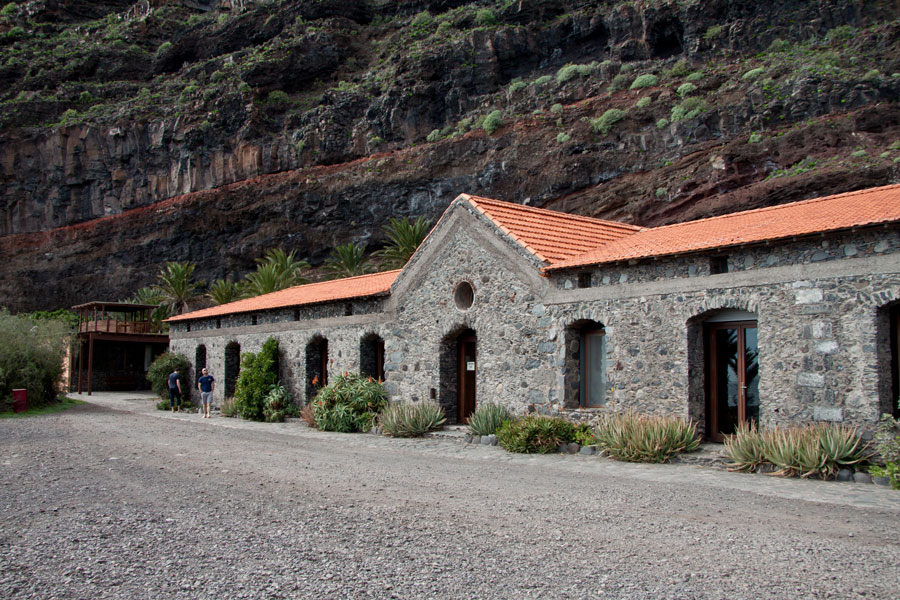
(593, 376)
(732, 376)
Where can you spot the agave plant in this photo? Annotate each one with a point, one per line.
(841, 447)
(488, 418)
(794, 451)
(645, 438)
(411, 419)
(745, 448)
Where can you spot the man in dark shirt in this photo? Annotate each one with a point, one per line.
(206, 384)
(175, 391)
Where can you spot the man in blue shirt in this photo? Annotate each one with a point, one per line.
(175, 391)
(206, 384)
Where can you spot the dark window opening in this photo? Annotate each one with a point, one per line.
(296, 314)
(464, 295)
(348, 309)
(371, 357)
(232, 367)
(584, 280)
(718, 265)
(218, 323)
(253, 320)
(316, 366)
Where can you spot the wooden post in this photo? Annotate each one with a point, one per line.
(90, 363)
(80, 354)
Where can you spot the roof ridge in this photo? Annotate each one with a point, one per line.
(782, 221)
(345, 279)
(556, 213)
(509, 232)
(764, 209)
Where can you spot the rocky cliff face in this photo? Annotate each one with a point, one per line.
(212, 131)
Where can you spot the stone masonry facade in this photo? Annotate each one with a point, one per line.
(823, 308)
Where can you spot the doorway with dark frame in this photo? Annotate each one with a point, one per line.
(732, 375)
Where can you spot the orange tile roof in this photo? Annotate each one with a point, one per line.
(831, 213)
(550, 235)
(299, 295)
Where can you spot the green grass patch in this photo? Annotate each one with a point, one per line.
(48, 409)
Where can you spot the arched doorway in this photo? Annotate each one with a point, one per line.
(371, 357)
(458, 373)
(731, 371)
(585, 365)
(232, 367)
(888, 348)
(316, 366)
(200, 358)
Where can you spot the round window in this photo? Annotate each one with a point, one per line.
(464, 295)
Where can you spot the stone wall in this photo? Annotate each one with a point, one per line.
(821, 307)
(821, 356)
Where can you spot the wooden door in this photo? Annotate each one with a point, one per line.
(732, 377)
(466, 370)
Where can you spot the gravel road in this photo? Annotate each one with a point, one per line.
(114, 500)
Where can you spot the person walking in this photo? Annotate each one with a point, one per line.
(206, 384)
(175, 391)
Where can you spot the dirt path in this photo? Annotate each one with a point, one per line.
(113, 500)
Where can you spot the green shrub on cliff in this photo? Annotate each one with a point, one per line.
(493, 121)
(605, 122)
(645, 80)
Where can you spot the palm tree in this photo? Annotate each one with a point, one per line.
(405, 236)
(151, 295)
(176, 286)
(264, 280)
(286, 264)
(347, 260)
(223, 291)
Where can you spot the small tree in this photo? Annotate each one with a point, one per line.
(259, 373)
(31, 357)
(159, 371)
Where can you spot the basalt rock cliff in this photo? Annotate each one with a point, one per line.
(136, 133)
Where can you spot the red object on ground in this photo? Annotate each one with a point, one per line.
(20, 400)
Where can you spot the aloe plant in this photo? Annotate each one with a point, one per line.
(645, 438)
(411, 419)
(487, 418)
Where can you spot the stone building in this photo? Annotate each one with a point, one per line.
(786, 314)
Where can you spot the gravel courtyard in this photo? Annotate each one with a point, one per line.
(113, 499)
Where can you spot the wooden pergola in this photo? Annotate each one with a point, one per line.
(113, 321)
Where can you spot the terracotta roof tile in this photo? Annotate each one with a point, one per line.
(550, 235)
(299, 295)
(831, 213)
